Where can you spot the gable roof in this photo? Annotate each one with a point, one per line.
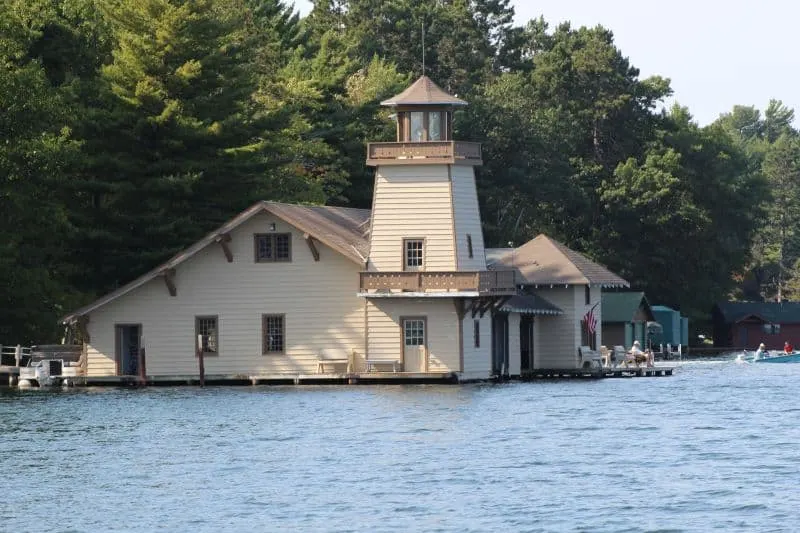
(772, 312)
(423, 92)
(545, 261)
(343, 229)
(622, 306)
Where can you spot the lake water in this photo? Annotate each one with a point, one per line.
(714, 447)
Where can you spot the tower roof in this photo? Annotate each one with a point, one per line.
(423, 92)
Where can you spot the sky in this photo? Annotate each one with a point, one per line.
(716, 53)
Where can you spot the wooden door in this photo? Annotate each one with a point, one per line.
(526, 343)
(415, 352)
(128, 341)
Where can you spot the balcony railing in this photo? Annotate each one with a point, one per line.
(486, 282)
(423, 153)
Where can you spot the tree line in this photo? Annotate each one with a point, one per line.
(129, 129)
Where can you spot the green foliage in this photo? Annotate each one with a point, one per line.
(36, 147)
(130, 128)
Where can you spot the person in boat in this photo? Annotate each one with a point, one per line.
(761, 353)
(788, 348)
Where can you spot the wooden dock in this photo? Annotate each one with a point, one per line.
(602, 373)
(352, 378)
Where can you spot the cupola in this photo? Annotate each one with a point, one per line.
(424, 112)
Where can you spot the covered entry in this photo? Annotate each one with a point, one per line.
(523, 313)
(128, 340)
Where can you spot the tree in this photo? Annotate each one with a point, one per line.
(782, 236)
(37, 147)
(184, 133)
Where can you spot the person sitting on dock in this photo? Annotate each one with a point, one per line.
(636, 355)
(788, 348)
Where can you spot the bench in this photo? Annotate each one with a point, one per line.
(333, 359)
(372, 363)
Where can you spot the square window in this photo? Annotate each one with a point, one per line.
(207, 334)
(274, 333)
(272, 247)
(414, 332)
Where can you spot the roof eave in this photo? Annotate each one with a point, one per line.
(184, 255)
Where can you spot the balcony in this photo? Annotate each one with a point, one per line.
(424, 153)
(486, 283)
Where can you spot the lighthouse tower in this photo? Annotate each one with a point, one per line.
(426, 284)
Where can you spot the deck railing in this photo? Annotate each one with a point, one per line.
(485, 282)
(395, 153)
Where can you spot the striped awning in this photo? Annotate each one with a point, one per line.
(530, 304)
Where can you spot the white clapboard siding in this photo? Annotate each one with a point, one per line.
(477, 360)
(467, 219)
(412, 202)
(556, 338)
(319, 301)
(385, 334)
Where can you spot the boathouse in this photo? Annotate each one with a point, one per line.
(744, 325)
(403, 288)
(625, 318)
(557, 309)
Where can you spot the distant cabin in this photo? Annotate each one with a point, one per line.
(747, 324)
(625, 318)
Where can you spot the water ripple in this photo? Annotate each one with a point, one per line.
(712, 448)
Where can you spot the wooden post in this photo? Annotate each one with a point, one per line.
(142, 367)
(200, 360)
(17, 355)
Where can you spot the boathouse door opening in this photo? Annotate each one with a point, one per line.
(500, 344)
(415, 353)
(128, 339)
(526, 343)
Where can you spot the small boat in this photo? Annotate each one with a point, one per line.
(771, 357)
(779, 357)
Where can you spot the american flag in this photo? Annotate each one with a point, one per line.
(591, 320)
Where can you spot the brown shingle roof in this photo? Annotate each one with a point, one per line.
(423, 92)
(544, 261)
(530, 304)
(343, 229)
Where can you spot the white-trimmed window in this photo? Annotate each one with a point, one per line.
(413, 252)
(273, 247)
(206, 334)
(273, 329)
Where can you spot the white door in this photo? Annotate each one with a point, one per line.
(414, 353)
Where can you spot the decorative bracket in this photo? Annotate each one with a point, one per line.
(311, 246)
(224, 239)
(169, 280)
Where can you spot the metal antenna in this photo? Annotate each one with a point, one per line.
(423, 47)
